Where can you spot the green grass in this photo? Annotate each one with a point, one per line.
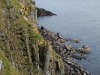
(7, 69)
(33, 35)
(15, 4)
(1, 26)
(56, 55)
(18, 44)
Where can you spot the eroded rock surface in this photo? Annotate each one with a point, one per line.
(43, 12)
(66, 51)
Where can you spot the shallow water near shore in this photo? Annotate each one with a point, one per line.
(76, 19)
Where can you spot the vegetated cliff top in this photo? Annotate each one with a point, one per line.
(23, 51)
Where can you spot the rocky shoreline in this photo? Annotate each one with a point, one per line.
(43, 12)
(67, 52)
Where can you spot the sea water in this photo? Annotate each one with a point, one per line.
(76, 19)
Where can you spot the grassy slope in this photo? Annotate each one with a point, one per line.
(18, 42)
(7, 69)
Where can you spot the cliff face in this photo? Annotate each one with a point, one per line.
(23, 51)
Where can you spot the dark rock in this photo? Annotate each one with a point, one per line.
(74, 41)
(85, 46)
(43, 12)
(66, 51)
(84, 49)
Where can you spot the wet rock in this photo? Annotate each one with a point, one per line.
(79, 56)
(84, 49)
(74, 41)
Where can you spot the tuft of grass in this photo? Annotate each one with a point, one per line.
(56, 55)
(1, 26)
(15, 4)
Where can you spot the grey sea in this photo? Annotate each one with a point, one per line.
(76, 19)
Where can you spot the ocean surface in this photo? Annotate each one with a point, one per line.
(76, 19)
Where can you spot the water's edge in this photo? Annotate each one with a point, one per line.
(77, 19)
(66, 51)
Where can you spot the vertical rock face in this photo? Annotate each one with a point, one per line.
(29, 10)
(22, 45)
(47, 59)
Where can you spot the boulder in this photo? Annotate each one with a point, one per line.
(69, 46)
(85, 49)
